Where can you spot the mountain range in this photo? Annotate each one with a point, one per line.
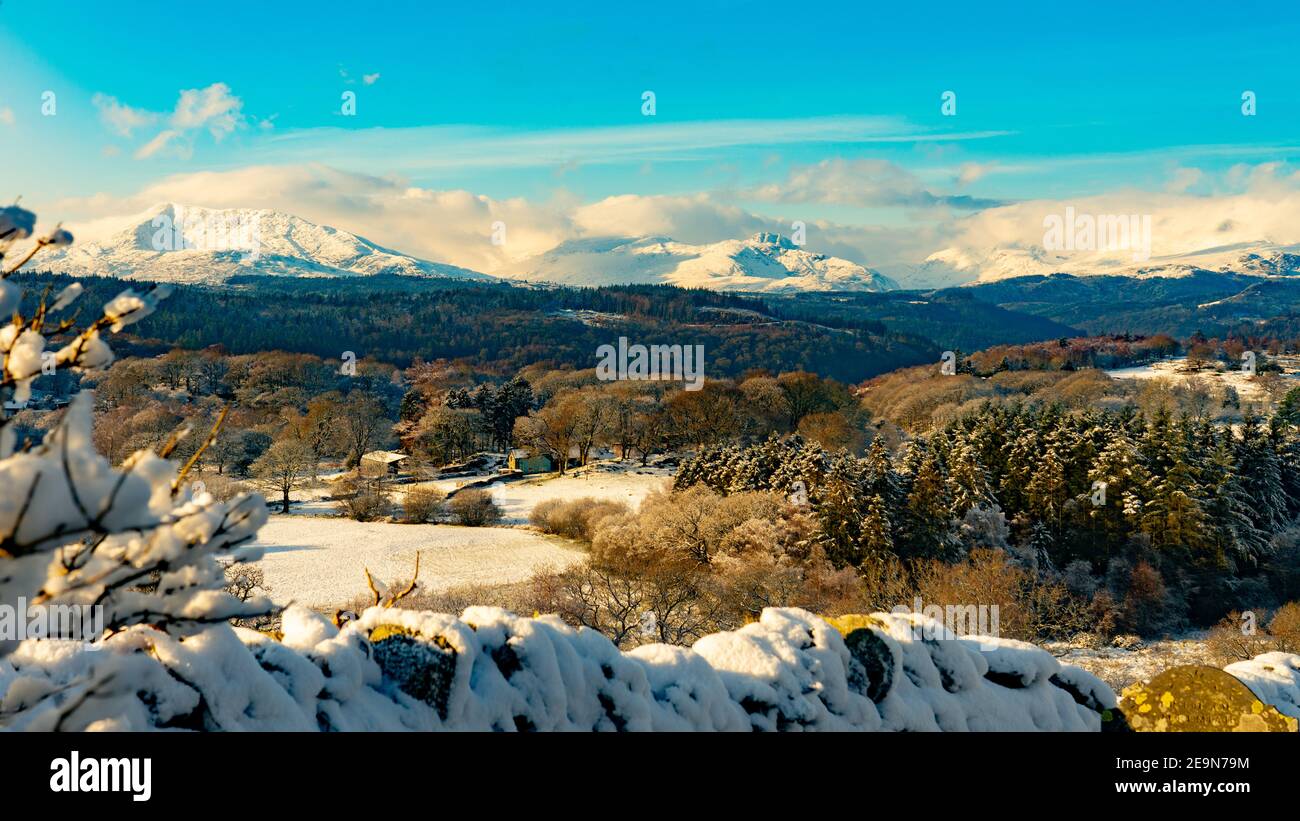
(185, 244)
(171, 242)
(1216, 286)
(1261, 258)
(765, 263)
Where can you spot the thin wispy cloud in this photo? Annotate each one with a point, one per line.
(121, 119)
(434, 147)
(862, 182)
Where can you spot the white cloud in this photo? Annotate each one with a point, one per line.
(160, 141)
(456, 226)
(213, 108)
(1182, 179)
(443, 226)
(861, 182)
(461, 147)
(370, 79)
(1251, 205)
(970, 172)
(121, 119)
(694, 219)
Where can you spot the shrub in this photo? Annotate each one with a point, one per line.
(244, 582)
(576, 519)
(1146, 606)
(1126, 641)
(1285, 628)
(474, 508)
(361, 500)
(423, 502)
(1236, 638)
(1029, 608)
(223, 488)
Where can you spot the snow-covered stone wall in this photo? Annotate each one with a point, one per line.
(1274, 678)
(396, 669)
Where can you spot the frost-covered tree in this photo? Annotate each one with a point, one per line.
(135, 541)
(1261, 475)
(285, 466)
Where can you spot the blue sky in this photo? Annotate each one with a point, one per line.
(515, 101)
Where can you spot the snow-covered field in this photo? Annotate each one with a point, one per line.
(624, 483)
(1120, 668)
(317, 558)
(1248, 387)
(319, 562)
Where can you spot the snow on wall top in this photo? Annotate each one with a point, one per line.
(396, 669)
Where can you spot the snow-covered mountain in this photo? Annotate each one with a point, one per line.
(1264, 259)
(763, 262)
(178, 243)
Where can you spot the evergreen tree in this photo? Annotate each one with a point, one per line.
(1173, 518)
(1261, 475)
(928, 529)
(1228, 507)
(968, 481)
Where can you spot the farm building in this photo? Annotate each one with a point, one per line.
(520, 460)
(382, 463)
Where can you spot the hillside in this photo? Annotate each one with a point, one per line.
(766, 262)
(187, 244)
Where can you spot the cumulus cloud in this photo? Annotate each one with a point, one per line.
(861, 182)
(443, 226)
(1245, 206)
(1249, 207)
(121, 119)
(455, 226)
(214, 109)
(695, 218)
(1182, 179)
(970, 172)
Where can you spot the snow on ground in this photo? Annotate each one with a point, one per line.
(622, 481)
(1247, 386)
(314, 500)
(626, 482)
(319, 562)
(1119, 668)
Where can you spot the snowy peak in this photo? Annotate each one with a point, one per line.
(764, 262)
(1263, 259)
(774, 240)
(171, 242)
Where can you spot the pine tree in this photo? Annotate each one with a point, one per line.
(877, 530)
(1117, 480)
(1048, 490)
(1228, 506)
(1174, 518)
(968, 481)
(1260, 471)
(1286, 445)
(928, 529)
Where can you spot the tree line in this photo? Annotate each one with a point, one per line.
(1200, 514)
